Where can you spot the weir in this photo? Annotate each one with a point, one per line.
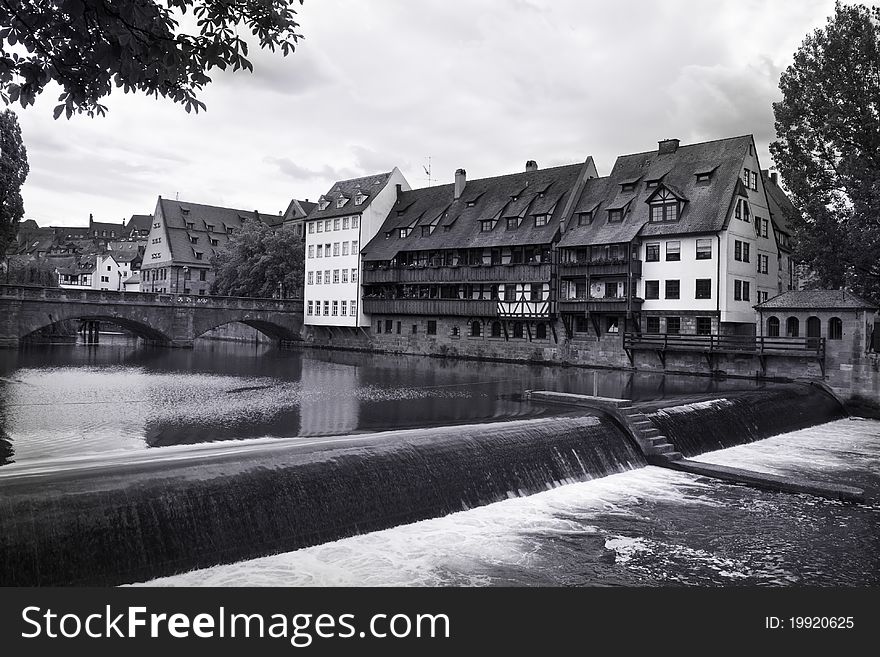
(160, 512)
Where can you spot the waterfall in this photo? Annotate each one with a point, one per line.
(160, 515)
(742, 417)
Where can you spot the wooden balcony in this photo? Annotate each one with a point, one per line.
(616, 305)
(526, 309)
(432, 307)
(600, 268)
(536, 273)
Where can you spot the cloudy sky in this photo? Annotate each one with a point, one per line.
(479, 84)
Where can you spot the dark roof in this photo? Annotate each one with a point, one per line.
(298, 210)
(706, 203)
(816, 300)
(104, 225)
(457, 226)
(178, 213)
(139, 222)
(781, 207)
(369, 186)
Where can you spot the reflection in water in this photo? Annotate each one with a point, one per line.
(58, 400)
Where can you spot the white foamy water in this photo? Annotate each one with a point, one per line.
(558, 536)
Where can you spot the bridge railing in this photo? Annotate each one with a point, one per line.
(37, 293)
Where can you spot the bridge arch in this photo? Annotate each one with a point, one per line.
(273, 330)
(138, 328)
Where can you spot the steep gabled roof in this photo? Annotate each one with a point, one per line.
(706, 203)
(139, 222)
(459, 221)
(178, 213)
(369, 186)
(817, 300)
(781, 207)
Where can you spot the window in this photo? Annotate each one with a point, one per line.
(311, 250)
(762, 297)
(155, 225)
(215, 242)
(320, 226)
(311, 228)
(704, 326)
(745, 253)
(673, 325)
(704, 288)
(792, 327)
(763, 263)
(318, 277)
(379, 326)
(193, 239)
(476, 329)
(773, 327)
(740, 290)
(740, 251)
(359, 199)
(345, 248)
(754, 184)
(614, 216)
(495, 331)
(673, 289)
(653, 325)
(203, 275)
(105, 279)
(541, 220)
(747, 178)
(189, 224)
(611, 325)
(320, 250)
(326, 308)
(354, 222)
(835, 329)
(704, 249)
(335, 248)
(585, 218)
(519, 331)
(673, 251)
(427, 230)
(309, 308)
(335, 312)
(652, 252)
(652, 289)
(310, 279)
(199, 255)
(326, 277)
(703, 177)
(336, 224)
(326, 250)
(335, 275)
(454, 331)
(512, 223)
(345, 223)
(581, 325)
(432, 327)
(402, 233)
(664, 207)
(327, 224)
(389, 325)
(352, 305)
(341, 201)
(345, 276)
(354, 247)
(485, 225)
(354, 275)
(343, 307)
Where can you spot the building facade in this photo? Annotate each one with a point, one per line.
(345, 218)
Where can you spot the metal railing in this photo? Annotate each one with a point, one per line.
(732, 344)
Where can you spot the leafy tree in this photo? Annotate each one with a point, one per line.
(27, 270)
(259, 261)
(13, 171)
(828, 148)
(87, 46)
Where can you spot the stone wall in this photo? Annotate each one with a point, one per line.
(235, 332)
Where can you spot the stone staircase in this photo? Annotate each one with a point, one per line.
(655, 446)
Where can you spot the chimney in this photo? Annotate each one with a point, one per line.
(774, 177)
(460, 182)
(668, 146)
(399, 187)
(531, 165)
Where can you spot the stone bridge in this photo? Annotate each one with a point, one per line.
(173, 320)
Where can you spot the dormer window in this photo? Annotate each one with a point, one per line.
(541, 220)
(652, 184)
(193, 239)
(403, 233)
(743, 211)
(359, 199)
(512, 223)
(703, 177)
(387, 234)
(585, 218)
(471, 204)
(323, 204)
(190, 225)
(427, 230)
(209, 227)
(664, 207)
(627, 187)
(341, 201)
(486, 225)
(615, 216)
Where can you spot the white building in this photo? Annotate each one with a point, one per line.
(346, 218)
(105, 274)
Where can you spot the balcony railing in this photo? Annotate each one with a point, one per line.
(438, 307)
(526, 309)
(619, 267)
(598, 305)
(532, 273)
(731, 344)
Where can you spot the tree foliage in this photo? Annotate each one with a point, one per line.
(828, 148)
(88, 46)
(259, 261)
(13, 172)
(27, 270)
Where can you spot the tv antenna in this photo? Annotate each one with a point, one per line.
(428, 170)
